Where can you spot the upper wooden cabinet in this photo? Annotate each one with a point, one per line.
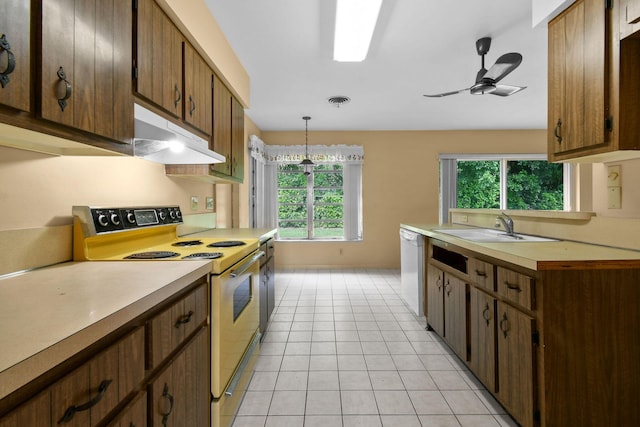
(197, 90)
(629, 17)
(15, 60)
(228, 133)
(158, 58)
(593, 83)
(578, 106)
(86, 66)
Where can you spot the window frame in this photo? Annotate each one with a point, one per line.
(449, 178)
(310, 202)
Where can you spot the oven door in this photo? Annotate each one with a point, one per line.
(235, 316)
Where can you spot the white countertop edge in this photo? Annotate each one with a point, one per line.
(21, 373)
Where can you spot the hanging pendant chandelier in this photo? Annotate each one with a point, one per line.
(306, 163)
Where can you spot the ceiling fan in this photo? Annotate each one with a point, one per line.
(486, 80)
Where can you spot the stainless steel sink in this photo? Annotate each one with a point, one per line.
(487, 235)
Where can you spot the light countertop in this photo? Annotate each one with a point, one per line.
(556, 255)
(50, 314)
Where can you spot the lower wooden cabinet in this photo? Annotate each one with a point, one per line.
(455, 314)
(117, 386)
(482, 337)
(516, 361)
(435, 299)
(179, 396)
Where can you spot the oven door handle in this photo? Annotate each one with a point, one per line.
(245, 265)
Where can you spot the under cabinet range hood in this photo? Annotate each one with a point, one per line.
(161, 141)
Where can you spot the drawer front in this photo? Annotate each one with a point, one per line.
(171, 327)
(517, 288)
(481, 273)
(88, 394)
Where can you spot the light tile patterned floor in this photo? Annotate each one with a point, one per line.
(342, 350)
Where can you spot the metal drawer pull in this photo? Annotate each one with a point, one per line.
(512, 286)
(166, 395)
(62, 102)
(486, 314)
(178, 97)
(192, 106)
(185, 318)
(481, 273)
(11, 61)
(245, 265)
(556, 131)
(504, 325)
(71, 411)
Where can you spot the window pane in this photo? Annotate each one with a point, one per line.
(534, 184)
(479, 184)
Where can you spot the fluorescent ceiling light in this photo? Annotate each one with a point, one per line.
(355, 22)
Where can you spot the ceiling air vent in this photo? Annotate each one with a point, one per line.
(338, 100)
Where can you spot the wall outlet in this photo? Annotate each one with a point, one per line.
(209, 202)
(615, 198)
(194, 203)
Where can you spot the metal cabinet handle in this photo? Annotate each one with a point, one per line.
(169, 397)
(439, 283)
(447, 288)
(178, 97)
(71, 410)
(11, 61)
(185, 318)
(481, 273)
(512, 286)
(486, 314)
(62, 102)
(556, 131)
(192, 105)
(504, 325)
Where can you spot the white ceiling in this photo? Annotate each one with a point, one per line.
(419, 46)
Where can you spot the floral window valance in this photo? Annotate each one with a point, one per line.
(287, 154)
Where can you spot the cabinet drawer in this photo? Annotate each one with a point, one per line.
(85, 396)
(481, 273)
(516, 287)
(170, 328)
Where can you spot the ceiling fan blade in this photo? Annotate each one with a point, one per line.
(503, 66)
(504, 90)
(440, 95)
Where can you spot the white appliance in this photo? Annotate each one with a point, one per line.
(412, 270)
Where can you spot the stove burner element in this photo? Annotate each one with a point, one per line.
(185, 243)
(153, 255)
(226, 244)
(204, 255)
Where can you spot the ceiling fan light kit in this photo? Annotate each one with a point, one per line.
(354, 26)
(486, 80)
(306, 163)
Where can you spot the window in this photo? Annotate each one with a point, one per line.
(519, 182)
(310, 206)
(325, 204)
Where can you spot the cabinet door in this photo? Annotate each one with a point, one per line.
(158, 58)
(435, 299)
(237, 140)
(516, 363)
(221, 139)
(180, 395)
(197, 90)
(483, 338)
(577, 78)
(134, 415)
(15, 54)
(455, 314)
(85, 77)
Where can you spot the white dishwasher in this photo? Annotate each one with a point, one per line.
(412, 270)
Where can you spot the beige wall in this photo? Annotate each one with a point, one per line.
(38, 190)
(400, 184)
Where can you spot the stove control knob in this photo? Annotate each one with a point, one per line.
(173, 214)
(178, 214)
(131, 219)
(103, 220)
(115, 219)
(163, 215)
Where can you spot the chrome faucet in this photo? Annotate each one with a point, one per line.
(507, 223)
